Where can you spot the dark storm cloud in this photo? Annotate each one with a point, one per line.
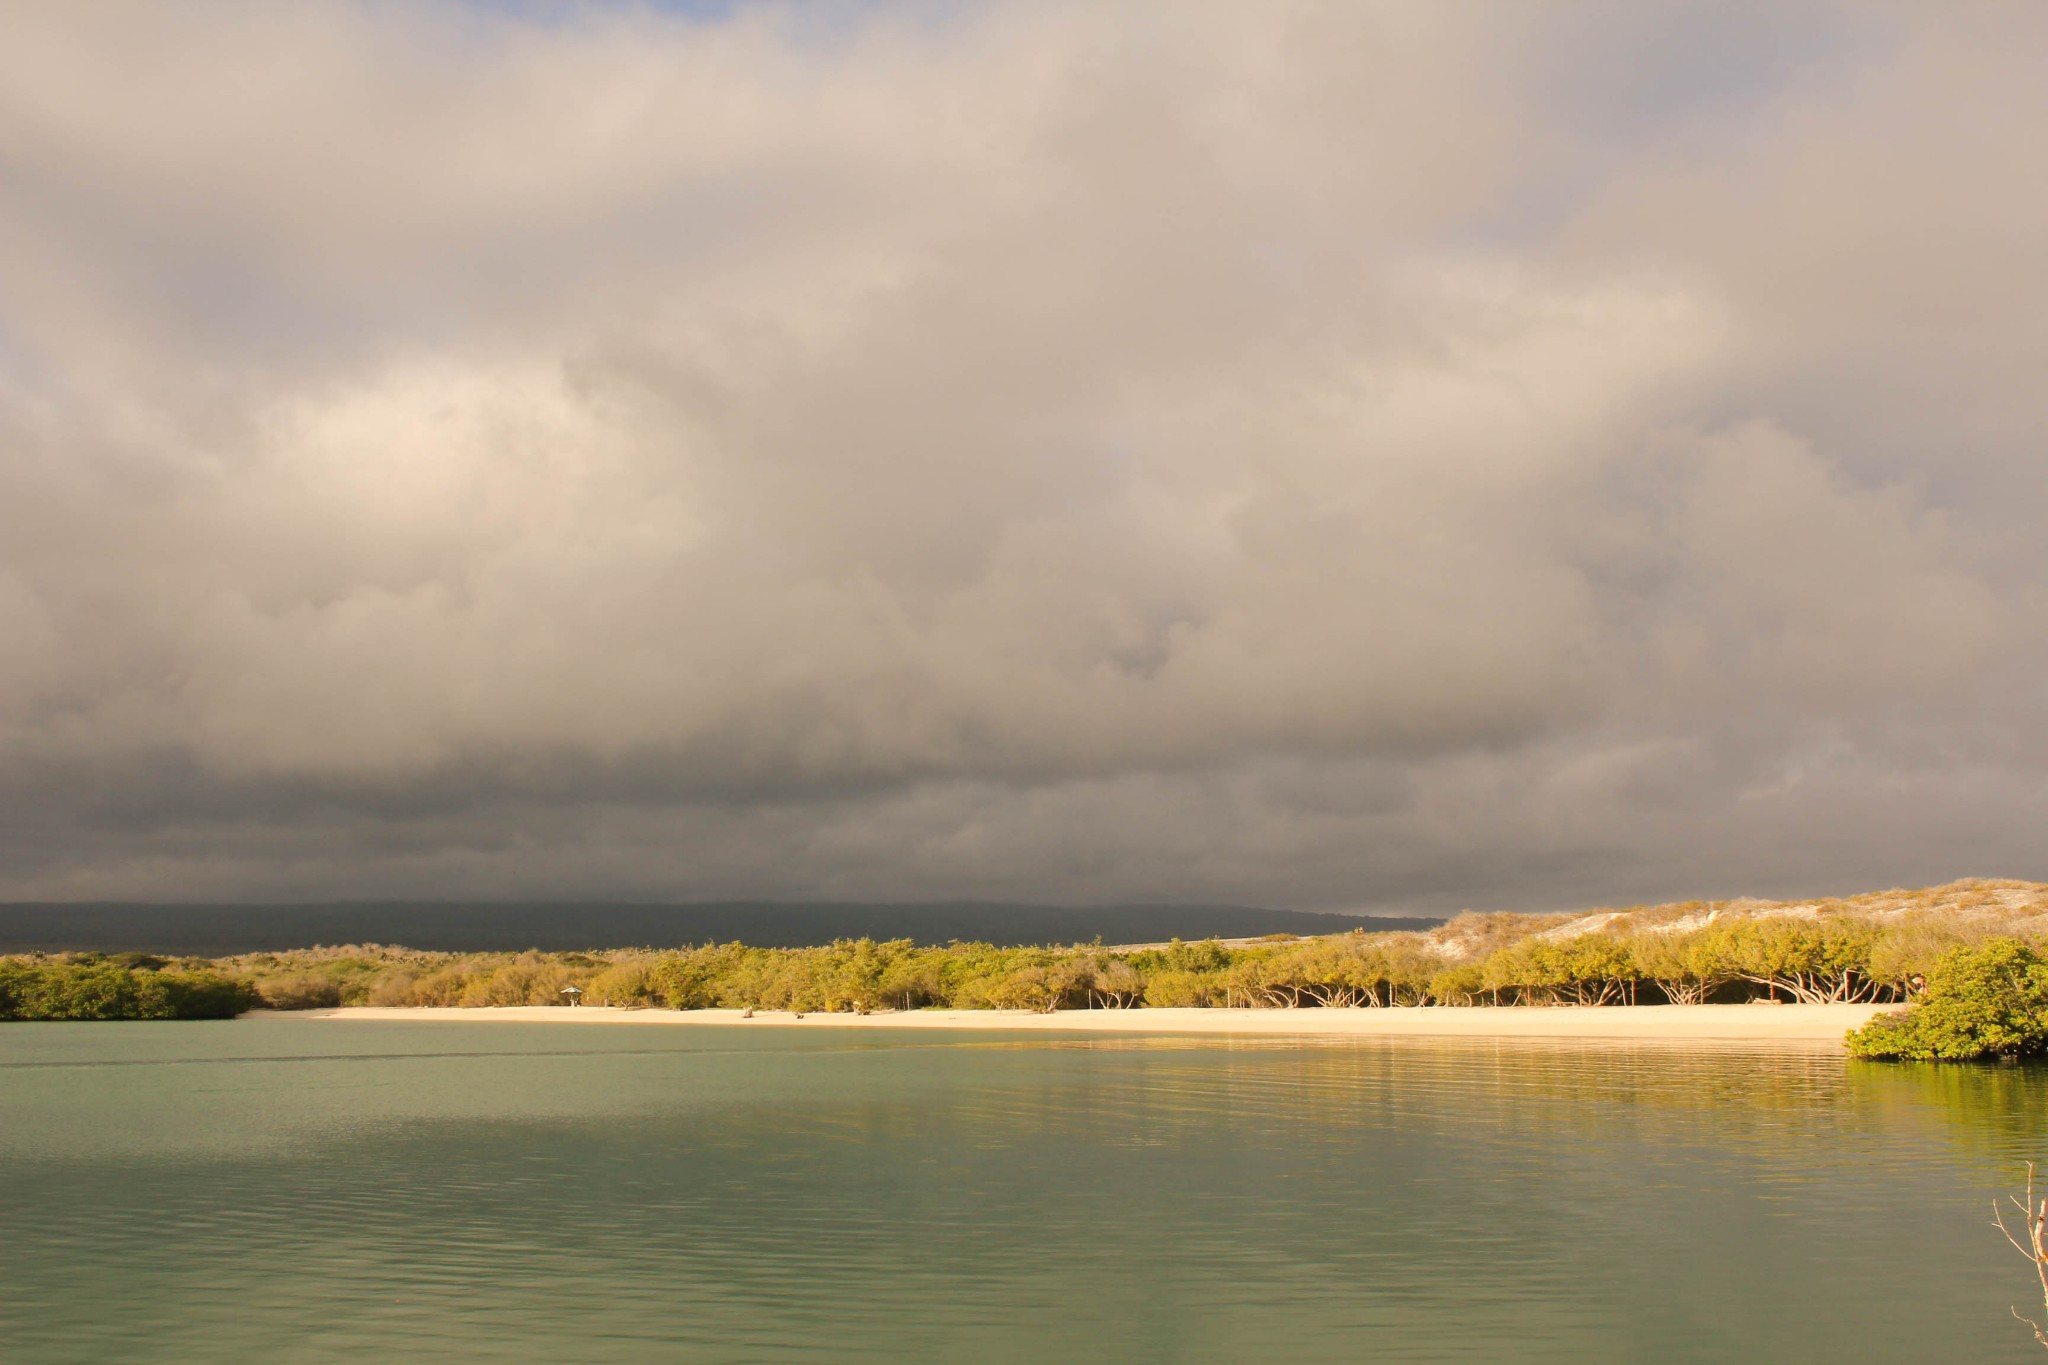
(1349, 456)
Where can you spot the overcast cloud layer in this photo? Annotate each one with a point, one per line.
(1383, 456)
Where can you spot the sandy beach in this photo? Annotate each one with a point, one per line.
(1802, 1025)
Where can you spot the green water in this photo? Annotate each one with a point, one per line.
(286, 1190)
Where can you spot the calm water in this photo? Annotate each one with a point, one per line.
(290, 1190)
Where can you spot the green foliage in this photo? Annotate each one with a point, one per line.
(1589, 969)
(1685, 966)
(1983, 1001)
(1461, 984)
(1205, 957)
(1818, 960)
(106, 990)
(1170, 988)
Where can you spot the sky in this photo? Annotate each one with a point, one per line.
(1389, 457)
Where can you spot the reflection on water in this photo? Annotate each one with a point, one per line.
(298, 1191)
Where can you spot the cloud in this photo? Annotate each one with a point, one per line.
(1301, 454)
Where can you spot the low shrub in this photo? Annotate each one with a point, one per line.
(102, 990)
(1985, 1001)
(300, 991)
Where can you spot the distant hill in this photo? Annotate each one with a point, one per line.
(217, 930)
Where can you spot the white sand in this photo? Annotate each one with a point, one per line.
(1805, 1025)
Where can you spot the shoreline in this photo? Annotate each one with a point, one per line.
(1797, 1025)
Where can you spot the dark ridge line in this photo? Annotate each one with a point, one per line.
(215, 930)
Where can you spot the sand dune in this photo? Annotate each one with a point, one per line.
(1807, 1025)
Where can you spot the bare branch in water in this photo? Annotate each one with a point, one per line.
(2035, 1248)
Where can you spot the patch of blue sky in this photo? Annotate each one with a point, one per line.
(1636, 74)
(1628, 81)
